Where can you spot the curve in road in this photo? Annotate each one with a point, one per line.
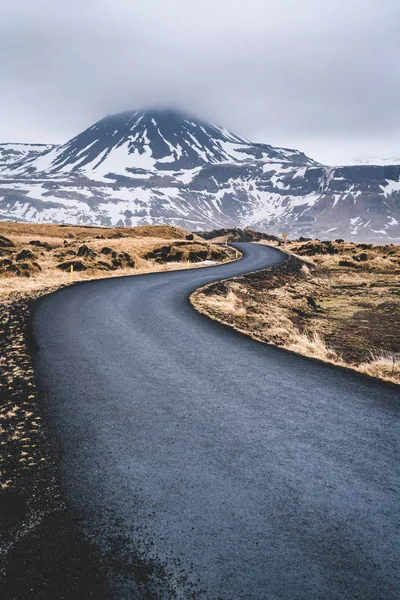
(240, 470)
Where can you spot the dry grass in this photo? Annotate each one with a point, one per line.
(357, 257)
(338, 313)
(385, 366)
(138, 246)
(313, 345)
(230, 304)
(81, 233)
(330, 255)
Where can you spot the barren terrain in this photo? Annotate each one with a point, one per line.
(34, 256)
(339, 302)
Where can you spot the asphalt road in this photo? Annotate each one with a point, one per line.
(208, 464)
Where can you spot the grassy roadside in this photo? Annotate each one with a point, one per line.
(38, 533)
(335, 301)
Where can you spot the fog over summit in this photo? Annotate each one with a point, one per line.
(322, 77)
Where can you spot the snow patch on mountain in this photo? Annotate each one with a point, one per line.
(12, 156)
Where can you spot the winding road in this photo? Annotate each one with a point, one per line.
(224, 467)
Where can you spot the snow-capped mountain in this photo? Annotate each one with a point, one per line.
(162, 140)
(160, 166)
(13, 155)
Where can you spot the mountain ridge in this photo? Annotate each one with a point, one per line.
(161, 165)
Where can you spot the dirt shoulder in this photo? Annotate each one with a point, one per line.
(324, 301)
(39, 534)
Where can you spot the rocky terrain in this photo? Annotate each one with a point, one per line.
(332, 300)
(160, 166)
(236, 234)
(33, 257)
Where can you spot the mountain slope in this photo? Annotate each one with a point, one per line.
(13, 157)
(160, 166)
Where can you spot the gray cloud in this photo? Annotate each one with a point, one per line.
(322, 76)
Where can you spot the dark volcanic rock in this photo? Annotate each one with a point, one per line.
(13, 269)
(238, 235)
(76, 264)
(85, 251)
(311, 302)
(361, 257)
(317, 247)
(25, 255)
(40, 244)
(104, 266)
(197, 255)
(164, 254)
(346, 263)
(22, 269)
(7, 266)
(5, 242)
(108, 251)
(5, 262)
(126, 259)
(62, 255)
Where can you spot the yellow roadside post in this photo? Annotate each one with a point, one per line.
(188, 264)
(71, 273)
(237, 253)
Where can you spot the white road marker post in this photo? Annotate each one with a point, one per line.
(71, 273)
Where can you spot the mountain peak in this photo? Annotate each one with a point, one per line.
(156, 138)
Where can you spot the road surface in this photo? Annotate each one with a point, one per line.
(209, 465)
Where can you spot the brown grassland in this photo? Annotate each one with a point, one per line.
(94, 252)
(341, 304)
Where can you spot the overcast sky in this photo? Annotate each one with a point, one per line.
(322, 76)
